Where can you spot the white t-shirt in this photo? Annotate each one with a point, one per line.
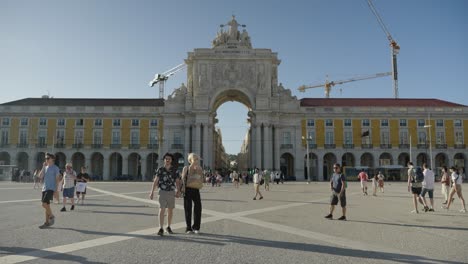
(256, 178)
(455, 176)
(428, 182)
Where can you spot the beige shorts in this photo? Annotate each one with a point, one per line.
(458, 188)
(166, 199)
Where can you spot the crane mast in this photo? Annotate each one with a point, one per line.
(395, 48)
(161, 78)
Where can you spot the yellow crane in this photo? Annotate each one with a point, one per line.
(395, 48)
(328, 85)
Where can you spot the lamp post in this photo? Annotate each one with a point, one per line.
(430, 145)
(307, 162)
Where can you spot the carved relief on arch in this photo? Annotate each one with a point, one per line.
(233, 74)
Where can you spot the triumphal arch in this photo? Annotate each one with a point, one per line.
(232, 70)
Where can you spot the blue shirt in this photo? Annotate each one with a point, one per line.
(337, 182)
(50, 175)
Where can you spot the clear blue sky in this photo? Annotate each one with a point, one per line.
(111, 49)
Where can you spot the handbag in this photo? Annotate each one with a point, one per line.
(262, 181)
(194, 181)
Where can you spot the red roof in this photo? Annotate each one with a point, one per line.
(376, 102)
(86, 102)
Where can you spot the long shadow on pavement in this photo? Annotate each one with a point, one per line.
(410, 225)
(44, 254)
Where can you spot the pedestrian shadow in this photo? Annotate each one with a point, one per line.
(224, 200)
(411, 225)
(114, 205)
(323, 249)
(44, 254)
(120, 212)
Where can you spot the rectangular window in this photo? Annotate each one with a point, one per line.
(348, 137)
(422, 137)
(457, 123)
(329, 137)
(458, 137)
(311, 137)
(41, 137)
(135, 138)
(79, 122)
(440, 137)
(287, 138)
(60, 122)
(154, 122)
(177, 138)
(135, 122)
(116, 137)
(366, 140)
(347, 122)
(24, 121)
(98, 122)
(384, 123)
(23, 137)
(60, 137)
(439, 123)
(403, 123)
(116, 122)
(404, 137)
(310, 122)
(4, 137)
(329, 122)
(365, 122)
(421, 122)
(153, 137)
(97, 137)
(79, 137)
(5, 121)
(43, 121)
(384, 137)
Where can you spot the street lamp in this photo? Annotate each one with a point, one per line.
(308, 165)
(430, 145)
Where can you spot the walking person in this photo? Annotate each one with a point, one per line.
(37, 181)
(167, 179)
(50, 174)
(235, 179)
(59, 189)
(82, 180)
(257, 177)
(363, 177)
(375, 182)
(338, 188)
(428, 187)
(69, 178)
(457, 181)
(192, 178)
(445, 181)
(415, 179)
(266, 179)
(381, 178)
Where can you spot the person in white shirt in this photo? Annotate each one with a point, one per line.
(456, 188)
(257, 177)
(428, 187)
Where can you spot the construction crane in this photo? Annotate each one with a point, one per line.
(328, 85)
(161, 78)
(395, 48)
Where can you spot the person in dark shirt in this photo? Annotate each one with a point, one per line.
(82, 179)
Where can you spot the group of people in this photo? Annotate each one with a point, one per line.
(54, 181)
(421, 181)
(377, 182)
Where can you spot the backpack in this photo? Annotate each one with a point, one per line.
(419, 176)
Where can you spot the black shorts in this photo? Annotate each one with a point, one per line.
(335, 197)
(47, 196)
(416, 190)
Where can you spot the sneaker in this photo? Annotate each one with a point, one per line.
(261, 197)
(415, 212)
(45, 225)
(444, 202)
(169, 230)
(426, 208)
(161, 232)
(342, 218)
(63, 209)
(196, 232)
(444, 207)
(463, 210)
(51, 220)
(431, 210)
(72, 208)
(189, 231)
(329, 216)
(255, 198)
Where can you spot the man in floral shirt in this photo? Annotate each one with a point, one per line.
(167, 179)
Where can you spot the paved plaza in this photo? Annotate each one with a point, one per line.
(118, 224)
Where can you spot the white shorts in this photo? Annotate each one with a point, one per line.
(363, 184)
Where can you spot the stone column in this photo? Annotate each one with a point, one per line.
(206, 145)
(186, 142)
(105, 169)
(277, 148)
(258, 146)
(320, 167)
(209, 144)
(268, 155)
(143, 168)
(196, 139)
(124, 164)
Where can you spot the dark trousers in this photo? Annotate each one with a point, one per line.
(192, 195)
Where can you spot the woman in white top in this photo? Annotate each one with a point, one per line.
(192, 177)
(257, 177)
(69, 178)
(456, 188)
